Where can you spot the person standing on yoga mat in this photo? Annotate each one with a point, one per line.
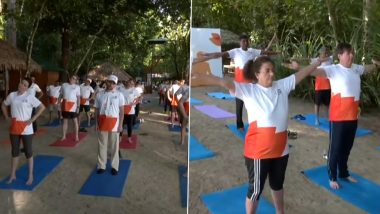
(173, 102)
(182, 96)
(322, 91)
(109, 114)
(240, 56)
(70, 93)
(131, 98)
(344, 109)
(86, 94)
(53, 92)
(266, 150)
(22, 103)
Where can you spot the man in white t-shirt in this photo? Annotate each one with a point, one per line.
(53, 92)
(21, 103)
(109, 111)
(240, 56)
(34, 89)
(70, 93)
(173, 102)
(86, 94)
(345, 81)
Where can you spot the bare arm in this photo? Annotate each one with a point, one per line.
(40, 94)
(40, 109)
(211, 80)
(201, 57)
(371, 67)
(121, 117)
(4, 109)
(306, 71)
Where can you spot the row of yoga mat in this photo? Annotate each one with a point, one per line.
(97, 184)
(363, 194)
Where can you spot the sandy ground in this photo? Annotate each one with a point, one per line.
(152, 184)
(227, 168)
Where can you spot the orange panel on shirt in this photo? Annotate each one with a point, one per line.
(107, 124)
(53, 100)
(83, 101)
(343, 108)
(187, 107)
(322, 83)
(17, 127)
(239, 76)
(127, 109)
(262, 143)
(174, 102)
(67, 105)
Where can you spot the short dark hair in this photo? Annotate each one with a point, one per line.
(252, 67)
(29, 80)
(342, 47)
(244, 36)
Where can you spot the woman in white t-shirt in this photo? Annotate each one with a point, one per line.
(131, 98)
(22, 104)
(266, 150)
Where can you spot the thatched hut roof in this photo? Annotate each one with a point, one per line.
(101, 72)
(13, 59)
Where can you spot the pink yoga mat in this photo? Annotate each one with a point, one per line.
(70, 140)
(124, 145)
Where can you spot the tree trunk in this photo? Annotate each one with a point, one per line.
(63, 77)
(29, 47)
(11, 23)
(332, 20)
(88, 51)
(367, 5)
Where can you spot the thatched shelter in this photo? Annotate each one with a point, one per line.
(13, 67)
(12, 59)
(101, 72)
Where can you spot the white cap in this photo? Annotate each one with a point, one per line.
(112, 78)
(88, 79)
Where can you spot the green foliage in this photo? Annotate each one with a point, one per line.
(302, 27)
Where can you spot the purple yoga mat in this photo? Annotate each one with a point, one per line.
(214, 111)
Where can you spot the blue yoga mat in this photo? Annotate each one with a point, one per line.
(194, 101)
(232, 201)
(378, 148)
(221, 95)
(84, 124)
(365, 194)
(175, 128)
(43, 165)
(54, 123)
(106, 184)
(198, 151)
(183, 185)
(214, 112)
(239, 134)
(324, 125)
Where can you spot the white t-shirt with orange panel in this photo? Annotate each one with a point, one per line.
(85, 93)
(345, 91)
(21, 111)
(53, 92)
(70, 94)
(108, 104)
(267, 110)
(322, 83)
(33, 89)
(130, 96)
(241, 57)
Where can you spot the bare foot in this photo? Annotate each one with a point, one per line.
(351, 179)
(29, 181)
(77, 139)
(129, 140)
(334, 185)
(11, 179)
(63, 138)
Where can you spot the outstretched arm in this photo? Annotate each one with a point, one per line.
(306, 71)
(372, 67)
(198, 79)
(201, 57)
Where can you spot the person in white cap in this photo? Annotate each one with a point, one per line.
(86, 94)
(109, 113)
